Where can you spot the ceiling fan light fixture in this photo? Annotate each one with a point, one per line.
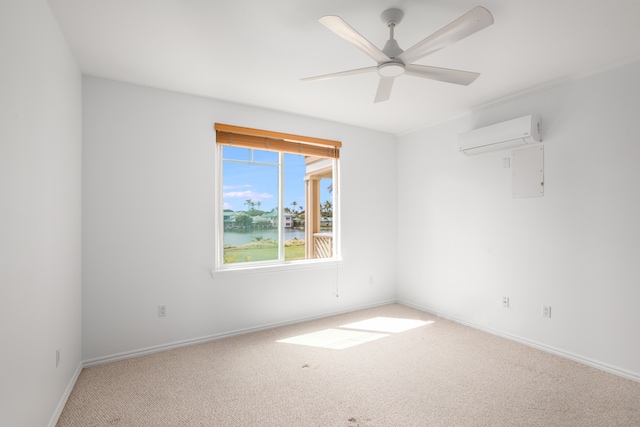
(391, 69)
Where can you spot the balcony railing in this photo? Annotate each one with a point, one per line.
(323, 245)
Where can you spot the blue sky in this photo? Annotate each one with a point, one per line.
(259, 181)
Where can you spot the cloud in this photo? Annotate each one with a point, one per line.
(248, 194)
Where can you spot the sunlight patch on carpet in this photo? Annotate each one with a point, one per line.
(387, 324)
(334, 338)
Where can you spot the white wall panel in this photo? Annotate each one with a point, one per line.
(40, 216)
(148, 231)
(575, 249)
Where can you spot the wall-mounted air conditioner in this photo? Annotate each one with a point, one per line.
(512, 133)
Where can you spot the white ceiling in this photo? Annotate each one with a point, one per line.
(256, 51)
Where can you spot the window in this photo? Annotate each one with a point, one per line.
(277, 197)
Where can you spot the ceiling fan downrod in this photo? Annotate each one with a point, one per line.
(394, 68)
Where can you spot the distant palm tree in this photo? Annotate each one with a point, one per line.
(327, 209)
(294, 204)
(249, 204)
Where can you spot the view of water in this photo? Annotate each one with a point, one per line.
(241, 237)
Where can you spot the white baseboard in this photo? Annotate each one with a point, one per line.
(65, 396)
(558, 352)
(149, 350)
(177, 344)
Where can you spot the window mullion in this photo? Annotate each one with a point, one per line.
(335, 201)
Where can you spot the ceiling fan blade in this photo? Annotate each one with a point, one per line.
(344, 30)
(442, 74)
(467, 24)
(384, 89)
(340, 74)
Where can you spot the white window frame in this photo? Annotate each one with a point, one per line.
(220, 266)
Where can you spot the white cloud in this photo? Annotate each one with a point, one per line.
(233, 187)
(248, 194)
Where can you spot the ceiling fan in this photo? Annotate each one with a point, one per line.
(393, 61)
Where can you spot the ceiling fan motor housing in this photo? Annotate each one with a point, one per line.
(391, 48)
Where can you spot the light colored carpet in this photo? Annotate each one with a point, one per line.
(438, 374)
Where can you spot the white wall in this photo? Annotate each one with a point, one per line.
(576, 249)
(40, 259)
(148, 223)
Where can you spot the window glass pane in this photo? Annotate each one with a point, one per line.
(250, 199)
(294, 209)
(265, 156)
(236, 153)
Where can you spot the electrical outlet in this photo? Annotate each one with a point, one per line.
(162, 310)
(57, 358)
(546, 311)
(505, 302)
